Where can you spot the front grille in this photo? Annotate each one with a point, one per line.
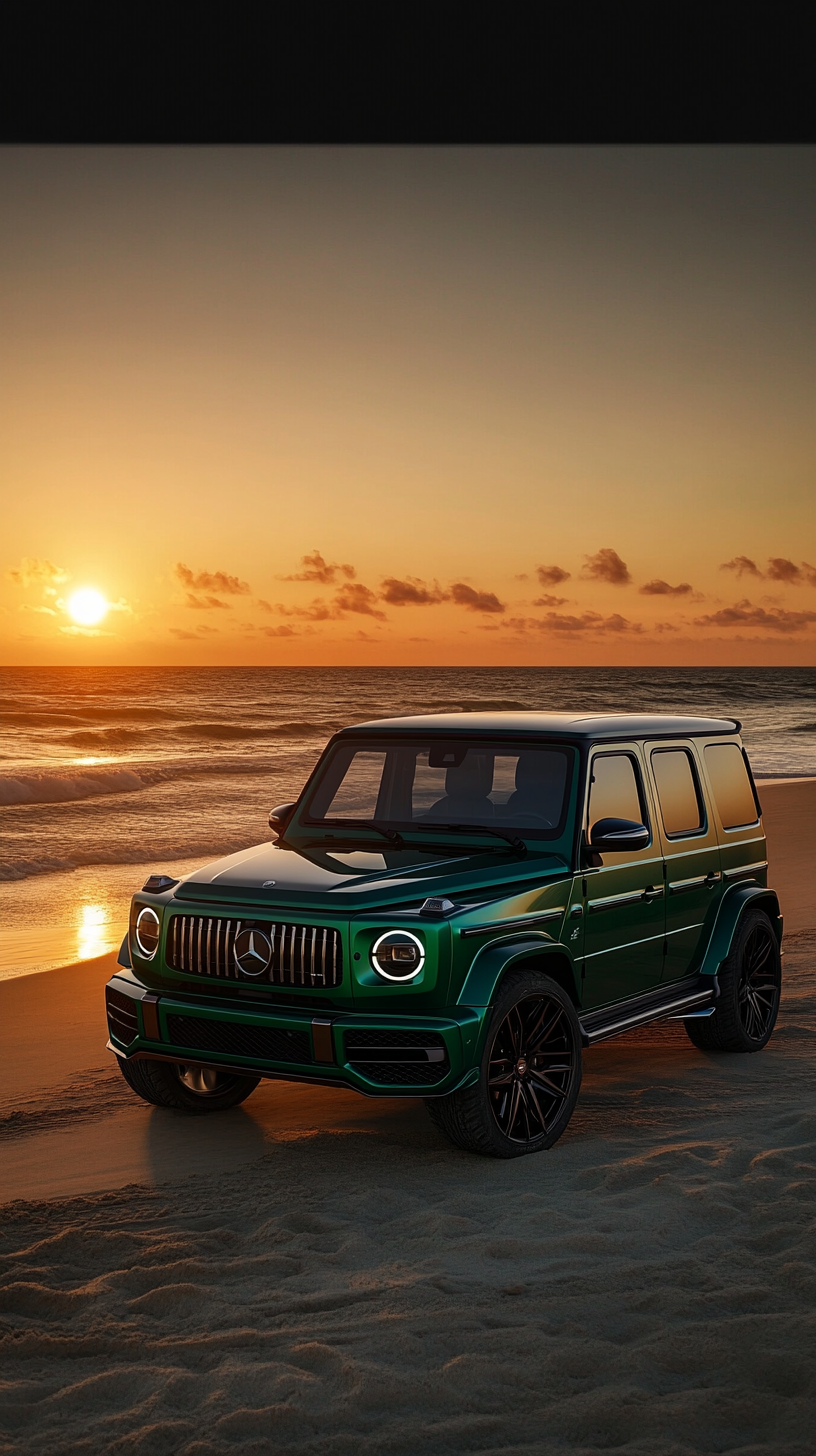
(413, 1058)
(300, 955)
(123, 1023)
(267, 1043)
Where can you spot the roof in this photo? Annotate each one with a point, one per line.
(585, 726)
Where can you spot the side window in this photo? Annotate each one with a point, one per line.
(614, 792)
(678, 791)
(731, 785)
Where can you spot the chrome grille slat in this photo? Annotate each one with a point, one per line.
(302, 955)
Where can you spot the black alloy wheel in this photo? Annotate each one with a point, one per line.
(529, 1075)
(186, 1087)
(750, 984)
(530, 1068)
(758, 990)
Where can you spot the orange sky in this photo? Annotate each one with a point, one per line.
(407, 406)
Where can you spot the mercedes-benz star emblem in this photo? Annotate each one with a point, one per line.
(253, 952)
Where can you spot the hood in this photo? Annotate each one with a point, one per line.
(274, 876)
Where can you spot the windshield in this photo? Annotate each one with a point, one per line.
(404, 785)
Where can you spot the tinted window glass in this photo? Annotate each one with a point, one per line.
(731, 785)
(677, 790)
(445, 782)
(613, 792)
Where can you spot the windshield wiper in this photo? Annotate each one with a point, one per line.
(512, 839)
(390, 834)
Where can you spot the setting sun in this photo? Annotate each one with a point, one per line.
(87, 607)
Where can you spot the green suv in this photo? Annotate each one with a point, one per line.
(454, 908)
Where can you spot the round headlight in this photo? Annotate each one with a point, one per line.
(148, 927)
(398, 955)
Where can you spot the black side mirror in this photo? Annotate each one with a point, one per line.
(279, 818)
(616, 835)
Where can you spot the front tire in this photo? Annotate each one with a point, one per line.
(529, 1075)
(186, 1087)
(750, 982)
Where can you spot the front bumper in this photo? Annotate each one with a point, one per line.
(379, 1056)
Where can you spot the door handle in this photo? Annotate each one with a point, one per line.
(653, 892)
(712, 878)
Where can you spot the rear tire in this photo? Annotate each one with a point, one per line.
(529, 1076)
(186, 1087)
(750, 982)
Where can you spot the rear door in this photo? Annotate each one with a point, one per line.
(624, 907)
(691, 850)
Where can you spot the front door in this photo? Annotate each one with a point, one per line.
(692, 854)
(624, 905)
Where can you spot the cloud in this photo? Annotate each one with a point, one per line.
(606, 565)
(549, 601)
(412, 592)
(196, 636)
(211, 581)
(742, 565)
(475, 601)
(206, 604)
(282, 631)
(33, 571)
(658, 588)
(317, 611)
(745, 614)
(74, 631)
(47, 611)
(780, 569)
(354, 597)
(316, 568)
(564, 623)
(553, 575)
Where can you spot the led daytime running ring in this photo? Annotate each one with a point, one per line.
(147, 914)
(387, 975)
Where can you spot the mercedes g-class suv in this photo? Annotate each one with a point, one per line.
(454, 908)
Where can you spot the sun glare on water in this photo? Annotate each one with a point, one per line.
(87, 607)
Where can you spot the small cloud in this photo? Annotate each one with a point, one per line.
(665, 627)
(34, 571)
(74, 631)
(742, 565)
(606, 565)
(549, 601)
(658, 588)
(265, 606)
(316, 568)
(522, 576)
(410, 592)
(564, 623)
(745, 614)
(317, 611)
(553, 575)
(211, 581)
(780, 569)
(475, 601)
(354, 597)
(419, 639)
(47, 611)
(196, 636)
(282, 631)
(206, 604)
(364, 637)
(810, 573)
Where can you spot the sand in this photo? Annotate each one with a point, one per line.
(321, 1273)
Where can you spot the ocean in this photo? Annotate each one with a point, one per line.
(109, 773)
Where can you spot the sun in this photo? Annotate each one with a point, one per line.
(87, 607)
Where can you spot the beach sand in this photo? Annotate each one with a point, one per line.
(318, 1272)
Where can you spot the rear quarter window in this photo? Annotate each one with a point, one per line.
(678, 792)
(730, 785)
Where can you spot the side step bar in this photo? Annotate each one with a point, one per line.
(688, 997)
